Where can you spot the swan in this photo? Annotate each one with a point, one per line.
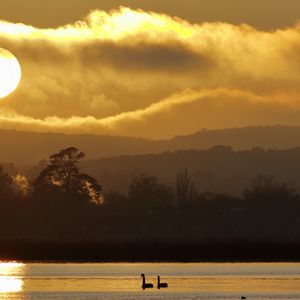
(144, 284)
(161, 284)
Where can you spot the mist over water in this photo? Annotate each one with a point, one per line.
(122, 281)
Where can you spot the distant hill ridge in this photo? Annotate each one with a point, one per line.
(219, 169)
(28, 147)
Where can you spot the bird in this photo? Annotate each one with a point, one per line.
(161, 284)
(144, 284)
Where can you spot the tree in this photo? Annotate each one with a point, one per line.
(6, 182)
(270, 207)
(186, 191)
(62, 175)
(264, 193)
(148, 194)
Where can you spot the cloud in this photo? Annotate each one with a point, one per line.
(187, 112)
(131, 72)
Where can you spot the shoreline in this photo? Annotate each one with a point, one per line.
(149, 252)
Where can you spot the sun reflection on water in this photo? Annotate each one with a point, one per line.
(11, 277)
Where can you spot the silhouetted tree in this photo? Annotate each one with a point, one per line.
(265, 192)
(5, 182)
(9, 205)
(186, 191)
(270, 207)
(63, 175)
(148, 194)
(33, 172)
(222, 148)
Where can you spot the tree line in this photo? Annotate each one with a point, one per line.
(62, 203)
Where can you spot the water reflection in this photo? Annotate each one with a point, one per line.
(11, 277)
(122, 281)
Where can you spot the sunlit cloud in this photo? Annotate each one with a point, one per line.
(132, 72)
(189, 111)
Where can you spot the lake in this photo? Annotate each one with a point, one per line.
(123, 281)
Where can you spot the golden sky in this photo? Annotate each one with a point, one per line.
(132, 71)
(263, 14)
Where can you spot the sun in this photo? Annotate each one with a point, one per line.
(10, 73)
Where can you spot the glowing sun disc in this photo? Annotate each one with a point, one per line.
(10, 73)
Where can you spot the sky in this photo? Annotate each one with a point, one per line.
(151, 69)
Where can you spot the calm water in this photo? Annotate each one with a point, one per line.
(122, 281)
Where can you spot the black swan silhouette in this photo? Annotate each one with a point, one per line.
(144, 284)
(161, 284)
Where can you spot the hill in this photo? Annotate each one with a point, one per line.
(269, 137)
(219, 169)
(28, 147)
